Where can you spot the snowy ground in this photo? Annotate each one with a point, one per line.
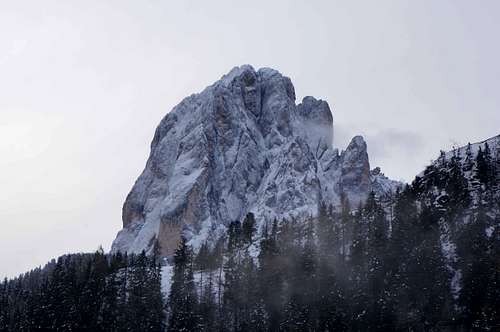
(217, 280)
(166, 279)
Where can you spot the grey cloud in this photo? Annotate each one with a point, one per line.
(388, 142)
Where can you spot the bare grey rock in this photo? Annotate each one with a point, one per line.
(241, 145)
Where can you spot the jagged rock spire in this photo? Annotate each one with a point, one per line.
(241, 145)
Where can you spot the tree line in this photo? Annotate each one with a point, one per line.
(86, 292)
(427, 259)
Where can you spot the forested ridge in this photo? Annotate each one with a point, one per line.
(86, 292)
(425, 259)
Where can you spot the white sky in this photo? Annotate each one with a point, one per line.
(83, 85)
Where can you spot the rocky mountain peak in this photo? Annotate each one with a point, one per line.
(355, 168)
(241, 145)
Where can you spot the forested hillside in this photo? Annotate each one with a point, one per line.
(86, 292)
(425, 259)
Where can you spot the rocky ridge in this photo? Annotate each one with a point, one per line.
(241, 145)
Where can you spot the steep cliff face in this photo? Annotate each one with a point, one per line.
(241, 145)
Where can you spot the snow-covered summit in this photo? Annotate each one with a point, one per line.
(241, 145)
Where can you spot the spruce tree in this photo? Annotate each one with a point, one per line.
(183, 301)
(248, 228)
(208, 306)
(154, 297)
(242, 304)
(3, 305)
(346, 223)
(379, 309)
(301, 307)
(109, 312)
(137, 293)
(404, 238)
(478, 272)
(61, 302)
(469, 159)
(429, 291)
(93, 288)
(358, 271)
(331, 307)
(484, 167)
(271, 273)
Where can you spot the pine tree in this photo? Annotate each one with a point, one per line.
(3, 305)
(345, 221)
(496, 169)
(183, 301)
(109, 312)
(93, 288)
(217, 263)
(201, 263)
(252, 309)
(301, 308)
(492, 292)
(241, 298)
(379, 309)
(358, 272)
(328, 239)
(484, 167)
(234, 235)
(456, 190)
(137, 292)
(404, 238)
(208, 306)
(154, 297)
(469, 159)
(233, 297)
(248, 228)
(478, 271)
(332, 310)
(270, 276)
(61, 309)
(428, 277)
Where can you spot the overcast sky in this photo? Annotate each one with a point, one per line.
(83, 85)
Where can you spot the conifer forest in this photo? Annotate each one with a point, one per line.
(424, 259)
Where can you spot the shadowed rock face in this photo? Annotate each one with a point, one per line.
(241, 145)
(355, 177)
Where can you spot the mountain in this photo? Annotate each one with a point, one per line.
(467, 153)
(423, 259)
(241, 145)
(462, 189)
(470, 169)
(420, 257)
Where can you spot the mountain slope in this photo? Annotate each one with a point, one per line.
(461, 184)
(241, 145)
